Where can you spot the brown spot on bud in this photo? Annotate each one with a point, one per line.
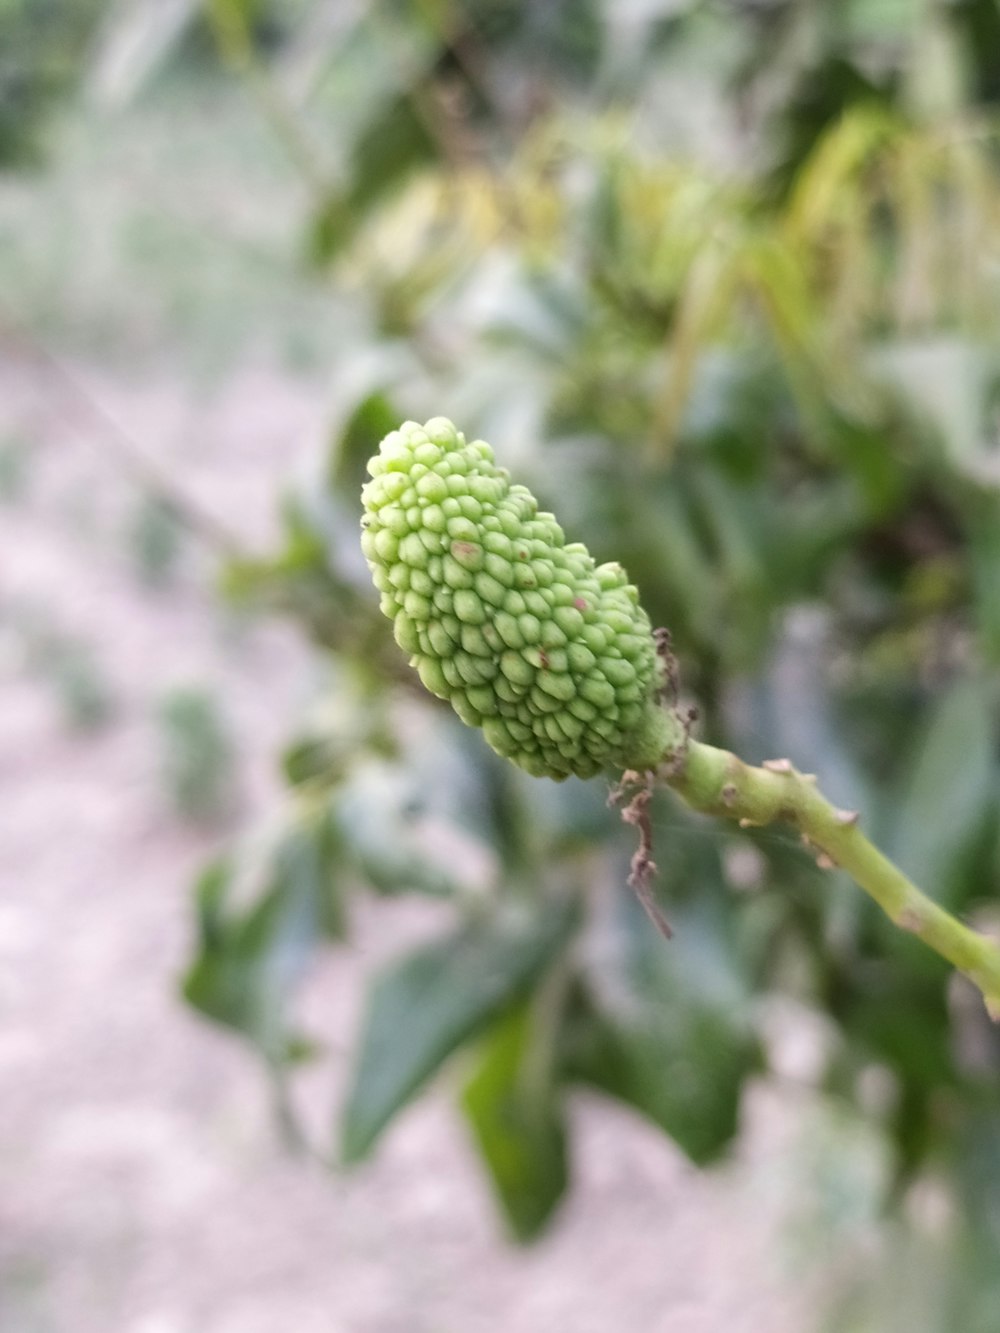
(580, 603)
(467, 549)
(543, 658)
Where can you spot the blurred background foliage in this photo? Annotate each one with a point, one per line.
(721, 282)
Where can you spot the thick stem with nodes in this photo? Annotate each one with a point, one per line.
(716, 782)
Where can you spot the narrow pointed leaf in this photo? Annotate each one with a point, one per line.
(514, 1110)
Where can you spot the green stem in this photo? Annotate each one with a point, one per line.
(718, 783)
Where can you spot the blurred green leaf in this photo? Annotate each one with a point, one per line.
(82, 687)
(357, 441)
(198, 757)
(428, 820)
(15, 460)
(244, 971)
(155, 539)
(978, 1163)
(251, 960)
(662, 1026)
(947, 793)
(315, 758)
(984, 554)
(210, 889)
(907, 1027)
(425, 1006)
(44, 45)
(309, 860)
(392, 146)
(514, 1109)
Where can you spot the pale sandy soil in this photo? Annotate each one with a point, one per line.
(142, 1185)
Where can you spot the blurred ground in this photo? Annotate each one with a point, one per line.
(142, 1184)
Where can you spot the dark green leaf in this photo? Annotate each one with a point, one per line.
(663, 1026)
(513, 1105)
(393, 145)
(210, 891)
(947, 794)
(978, 1166)
(904, 1025)
(243, 982)
(250, 962)
(359, 438)
(308, 860)
(984, 552)
(426, 1005)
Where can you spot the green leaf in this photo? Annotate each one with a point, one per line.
(425, 822)
(155, 539)
(984, 554)
(662, 1026)
(15, 462)
(243, 980)
(199, 757)
(426, 1005)
(514, 1109)
(687, 1081)
(357, 440)
(315, 758)
(394, 143)
(308, 861)
(977, 1152)
(905, 1025)
(250, 963)
(946, 796)
(210, 891)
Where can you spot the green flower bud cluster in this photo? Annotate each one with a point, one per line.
(549, 654)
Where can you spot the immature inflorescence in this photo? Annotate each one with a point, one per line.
(549, 654)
